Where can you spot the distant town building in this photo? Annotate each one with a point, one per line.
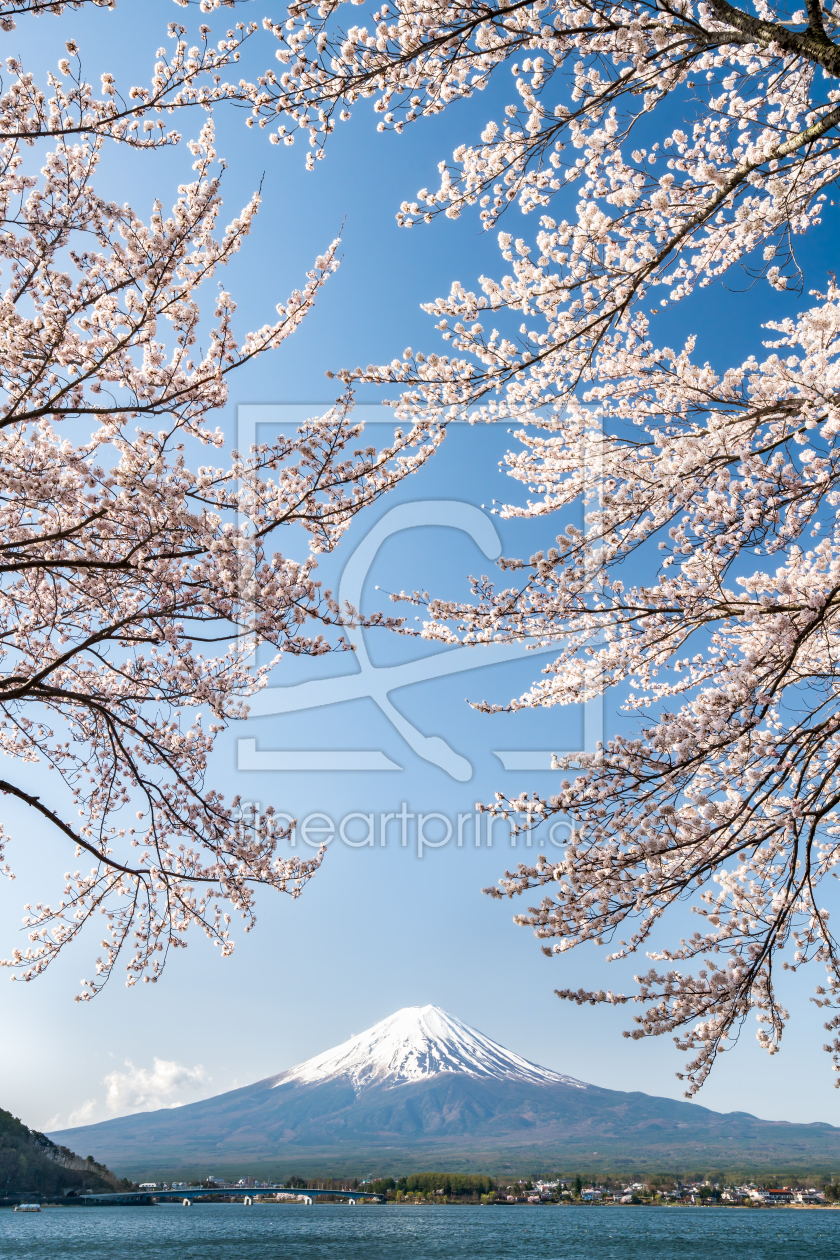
(810, 1196)
(774, 1194)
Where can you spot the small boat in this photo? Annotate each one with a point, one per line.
(28, 1207)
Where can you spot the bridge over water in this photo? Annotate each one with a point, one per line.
(126, 1198)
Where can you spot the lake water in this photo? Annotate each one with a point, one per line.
(235, 1232)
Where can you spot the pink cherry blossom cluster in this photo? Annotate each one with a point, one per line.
(184, 77)
(680, 140)
(137, 579)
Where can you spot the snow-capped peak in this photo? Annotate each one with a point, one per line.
(416, 1043)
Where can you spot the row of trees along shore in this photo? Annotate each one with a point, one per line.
(662, 146)
(32, 1165)
(658, 1188)
(447, 1187)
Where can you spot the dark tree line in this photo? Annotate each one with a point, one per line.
(31, 1164)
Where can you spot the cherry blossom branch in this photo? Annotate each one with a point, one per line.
(725, 791)
(135, 578)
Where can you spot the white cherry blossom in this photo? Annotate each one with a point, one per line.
(661, 146)
(139, 560)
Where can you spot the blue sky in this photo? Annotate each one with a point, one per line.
(380, 927)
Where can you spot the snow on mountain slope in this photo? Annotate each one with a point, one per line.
(416, 1043)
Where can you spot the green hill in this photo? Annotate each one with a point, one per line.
(30, 1164)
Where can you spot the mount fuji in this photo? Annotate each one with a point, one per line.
(418, 1043)
(423, 1089)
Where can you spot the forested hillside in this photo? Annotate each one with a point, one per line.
(31, 1164)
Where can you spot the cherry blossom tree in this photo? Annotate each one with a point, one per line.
(684, 141)
(185, 77)
(138, 561)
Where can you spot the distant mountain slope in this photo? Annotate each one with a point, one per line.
(423, 1088)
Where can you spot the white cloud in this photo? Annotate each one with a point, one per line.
(82, 1115)
(140, 1089)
